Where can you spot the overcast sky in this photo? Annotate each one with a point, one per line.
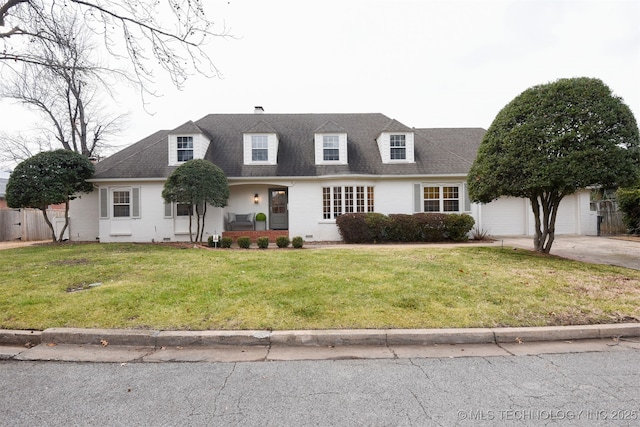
(425, 63)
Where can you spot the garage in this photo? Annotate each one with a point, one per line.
(510, 216)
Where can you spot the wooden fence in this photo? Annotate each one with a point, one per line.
(610, 217)
(29, 224)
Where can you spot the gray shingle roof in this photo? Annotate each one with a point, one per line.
(437, 151)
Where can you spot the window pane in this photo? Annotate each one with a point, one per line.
(450, 192)
(432, 205)
(120, 197)
(450, 205)
(369, 199)
(120, 211)
(348, 199)
(360, 199)
(431, 193)
(183, 209)
(326, 202)
(337, 201)
(398, 147)
(185, 148)
(259, 148)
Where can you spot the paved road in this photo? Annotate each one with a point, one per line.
(592, 388)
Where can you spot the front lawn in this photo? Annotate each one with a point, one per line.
(168, 287)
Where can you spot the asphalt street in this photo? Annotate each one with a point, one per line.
(590, 388)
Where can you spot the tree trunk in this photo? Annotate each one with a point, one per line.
(46, 219)
(190, 221)
(545, 221)
(204, 213)
(66, 219)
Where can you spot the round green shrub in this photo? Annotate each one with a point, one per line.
(244, 242)
(226, 242)
(263, 242)
(282, 241)
(457, 226)
(261, 216)
(297, 242)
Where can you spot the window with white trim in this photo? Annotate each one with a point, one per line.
(441, 198)
(121, 204)
(330, 147)
(398, 146)
(185, 148)
(259, 148)
(339, 200)
(183, 209)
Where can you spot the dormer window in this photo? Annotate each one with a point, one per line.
(398, 147)
(259, 148)
(185, 148)
(187, 142)
(330, 148)
(330, 141)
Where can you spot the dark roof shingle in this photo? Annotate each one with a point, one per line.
(437, 151)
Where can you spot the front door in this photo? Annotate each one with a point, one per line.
(278, 212)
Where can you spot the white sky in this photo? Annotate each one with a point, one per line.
(431, 63)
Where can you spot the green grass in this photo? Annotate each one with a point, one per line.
(167, 287)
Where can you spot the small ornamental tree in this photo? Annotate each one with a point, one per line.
(552, 140)
(197, 183)
(49, 178)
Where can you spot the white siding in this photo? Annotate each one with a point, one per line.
(152, 225)
(83, 214)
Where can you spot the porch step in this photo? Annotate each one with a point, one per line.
(253, 235)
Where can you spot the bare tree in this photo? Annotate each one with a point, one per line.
(64, 86)
(136, 29)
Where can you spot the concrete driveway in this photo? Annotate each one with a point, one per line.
(598, 250)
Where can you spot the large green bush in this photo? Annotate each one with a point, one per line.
(458, 226)
(431, 226)
(420, 227)
(629, 204)
(353, 228)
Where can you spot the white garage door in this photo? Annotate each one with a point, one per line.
(510, 216)
(505, 217)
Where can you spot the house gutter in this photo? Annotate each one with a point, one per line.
(263, 179)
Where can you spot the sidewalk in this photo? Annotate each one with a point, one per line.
(127, 346)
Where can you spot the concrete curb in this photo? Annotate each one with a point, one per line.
(301, 338)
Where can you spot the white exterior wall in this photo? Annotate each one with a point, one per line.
(151, 226)
(506, 216)
(83, 218)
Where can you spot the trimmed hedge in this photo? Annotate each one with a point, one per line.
(244, 242)
(421, 227)
(297, 242)
(263, 242)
